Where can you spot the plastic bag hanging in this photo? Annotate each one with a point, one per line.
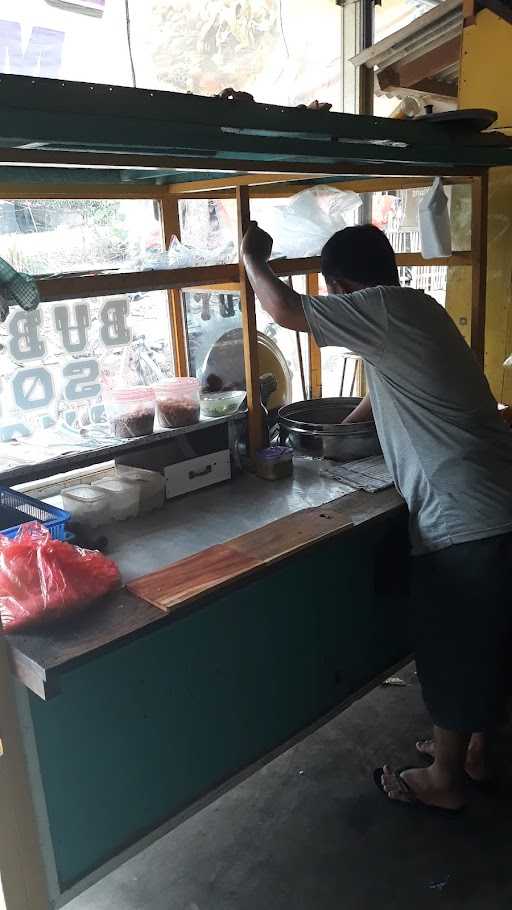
(138, 367)
(308, 220)
(434, 223)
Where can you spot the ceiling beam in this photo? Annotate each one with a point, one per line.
(436, 88)
(430, 64)
(389, 82)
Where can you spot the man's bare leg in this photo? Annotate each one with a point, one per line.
(476, 758)
(442, 784)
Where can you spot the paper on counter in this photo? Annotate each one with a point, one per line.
(368, 474)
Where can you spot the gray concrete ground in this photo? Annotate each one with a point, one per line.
(311, 832)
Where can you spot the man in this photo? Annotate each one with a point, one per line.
(451, 458)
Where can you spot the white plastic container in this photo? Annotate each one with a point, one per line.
(123, 497)
(150, 485)
(87, 505)
(434, 223)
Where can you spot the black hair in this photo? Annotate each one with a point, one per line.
(362, 254)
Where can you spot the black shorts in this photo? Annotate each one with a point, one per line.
(462, 624)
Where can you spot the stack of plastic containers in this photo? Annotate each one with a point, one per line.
(149, 484)
(123, 497)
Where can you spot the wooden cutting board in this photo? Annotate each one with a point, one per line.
(220, 565)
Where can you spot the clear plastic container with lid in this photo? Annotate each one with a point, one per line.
(131, 411)
(150, 484)
(177, 402)
(123, 497)
(87, 505)
(221, 404)
(274, 463)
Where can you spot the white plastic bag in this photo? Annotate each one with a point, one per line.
(181, 256)
(306, 222)
(434, 222)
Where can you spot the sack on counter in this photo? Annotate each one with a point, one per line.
(42, 579)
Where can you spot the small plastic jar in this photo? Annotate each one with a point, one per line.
(131, 412)
(177, 402)
(274, 463)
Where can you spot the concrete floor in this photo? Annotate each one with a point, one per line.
(310, 832)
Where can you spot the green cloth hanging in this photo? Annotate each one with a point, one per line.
(16, 289)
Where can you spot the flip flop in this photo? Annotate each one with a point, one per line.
(412, 801)
(489, 786)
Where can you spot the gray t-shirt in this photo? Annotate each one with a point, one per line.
(449, 451)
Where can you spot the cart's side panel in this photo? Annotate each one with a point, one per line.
(142, 731)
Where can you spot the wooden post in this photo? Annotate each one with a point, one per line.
(479, 212)
(314, 353)
(250, 335)
(169, 208)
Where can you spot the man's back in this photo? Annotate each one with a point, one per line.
(449, 451)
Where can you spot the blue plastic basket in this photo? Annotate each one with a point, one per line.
(16, 507)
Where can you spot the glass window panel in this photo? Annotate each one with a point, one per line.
(392, 15)
(396, 213)
(254, 45)
(42, 236)
(84, 40)
(55, 360)
(431, 279)
(201, 46)
(214, 331)
(209, 226)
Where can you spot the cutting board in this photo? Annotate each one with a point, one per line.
(218, 566)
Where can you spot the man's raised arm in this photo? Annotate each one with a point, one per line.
(277, 299)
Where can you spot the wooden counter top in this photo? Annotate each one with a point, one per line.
(39, 655)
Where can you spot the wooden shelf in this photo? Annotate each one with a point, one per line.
(70, 287)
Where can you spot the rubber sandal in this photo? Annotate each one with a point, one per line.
(412, 801)
(489, 786)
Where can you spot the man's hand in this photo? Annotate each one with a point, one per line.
(361, 413)
(256, 244)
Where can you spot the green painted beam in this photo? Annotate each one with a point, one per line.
(92, 176)
(29, 94)
(101, 133)
(94, 118)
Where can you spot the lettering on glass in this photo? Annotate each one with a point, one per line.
(54, 361)
(41, 56)
(114, 325)
(24, 341)
(72, 324)
(14, 431)
(33, 388)
(82, 376)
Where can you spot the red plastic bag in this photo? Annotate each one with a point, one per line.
(43, 579)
